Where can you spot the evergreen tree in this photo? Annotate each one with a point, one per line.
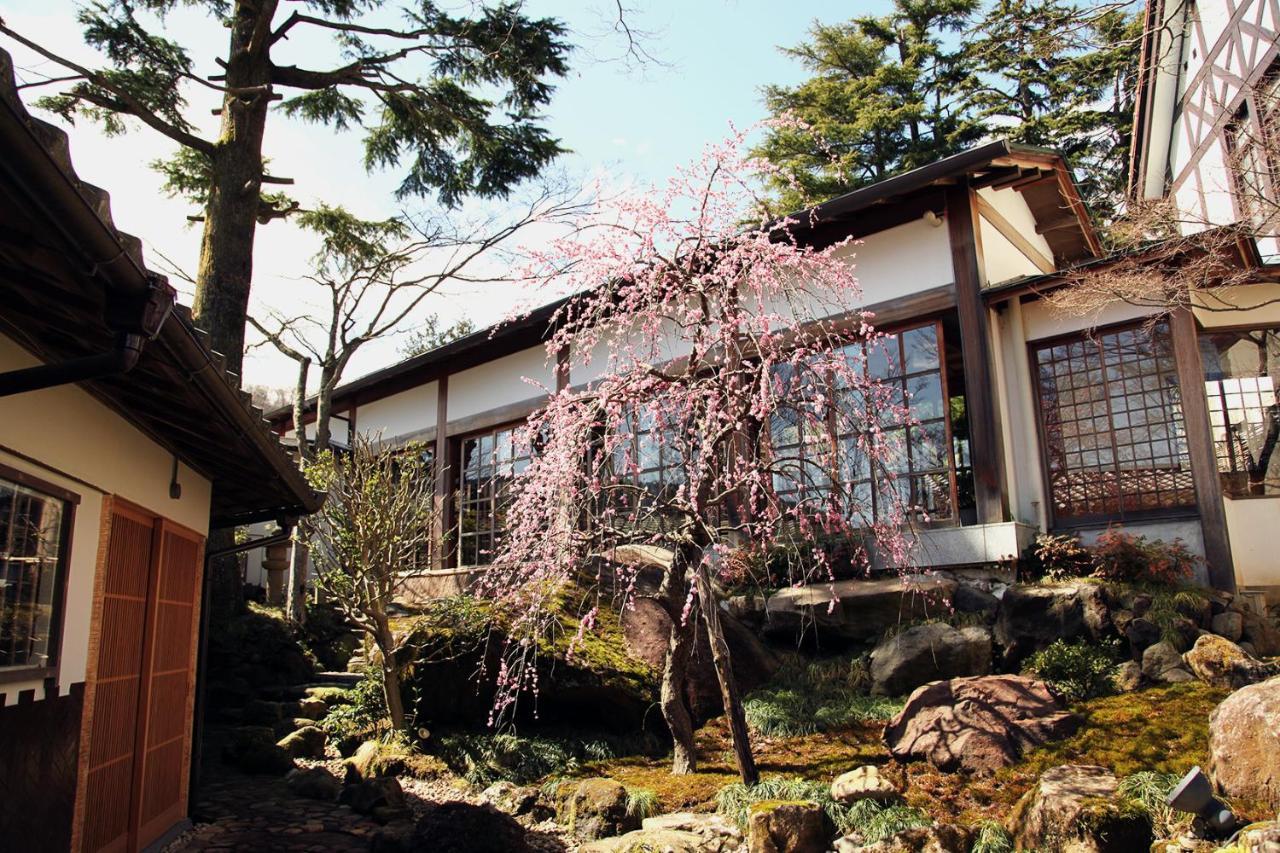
(452, 100)
(880, 101)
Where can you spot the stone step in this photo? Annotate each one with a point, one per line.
(337, 679)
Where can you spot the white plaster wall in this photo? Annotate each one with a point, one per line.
(1251, 526)
(1188, 530)
(495, 383)
(1018, 420)
(900, 261)
(1042, 320)
(66, 429)
(1001, 260)
(406, 412)
(1012, 205)
(1259, 305)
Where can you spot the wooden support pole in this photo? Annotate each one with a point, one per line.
(1204, 462)
(444, 476)
(980, 403)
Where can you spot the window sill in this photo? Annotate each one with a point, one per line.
(9, 675)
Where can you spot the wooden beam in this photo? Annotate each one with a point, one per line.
(1013, 235)
(980, 404)
(1204, 461)
(444, 477)
(1057, 224)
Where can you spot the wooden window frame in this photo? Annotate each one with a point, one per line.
(1218, 471)
(454, 549)
(70, 501)
(1058, 521)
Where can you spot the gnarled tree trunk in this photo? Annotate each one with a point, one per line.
(675, 668)
(723, 662)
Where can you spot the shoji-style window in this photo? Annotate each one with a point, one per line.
(1242, 373)
(488, 464)
(914, 467)
(1112, 426)
(35, 527)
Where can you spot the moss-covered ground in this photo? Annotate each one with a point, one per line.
(1163, 729)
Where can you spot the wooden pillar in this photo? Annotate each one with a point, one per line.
(444, 477)
(1204, 462)
(980, 403)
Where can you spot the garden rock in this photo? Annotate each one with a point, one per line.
(1142, 634)
(682, 832)
(970, 599)
(977, 724)
(253, 749)
(314, 783)
(597, 808)
(1262, 633)
(1218, 661)
(1228, 624)
(458, 827)
(1244, 743)
(1127, 677)
(924, 653)
(515, 799)
(381, 798)
(782, 826)
(306, 742)
(260, 712)
(1261, 837)
(864, 783)
(312, 708)
(1032, 617)
(1075, 807)
(940, 838)
(1163, 664)
(859, 610)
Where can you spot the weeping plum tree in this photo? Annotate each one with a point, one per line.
(736, 408)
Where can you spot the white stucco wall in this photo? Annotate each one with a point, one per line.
(1251, 526)
(406, 412)
(1041, 320)
(67, 430)
(1001, 259)
(496, 383)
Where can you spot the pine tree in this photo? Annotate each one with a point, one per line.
(880, 101)
(451, 100)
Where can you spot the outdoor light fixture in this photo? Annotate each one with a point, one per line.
(1195, 795)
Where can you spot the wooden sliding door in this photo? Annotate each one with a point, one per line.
(139, 721)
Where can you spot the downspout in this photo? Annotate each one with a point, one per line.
(135, 323)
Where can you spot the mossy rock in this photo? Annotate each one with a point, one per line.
(253, 749)
(330, 696)
(376, 760)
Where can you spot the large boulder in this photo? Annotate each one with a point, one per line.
(786, 826)
(970, 599)
(314, 783)
(977, 724)
(253, 749)
(517, 799)
(682, 832)
(939, 838)
(1229, 624)
(597, 808)
(379, 798)
(1262, 632)
(1218, 661)
(860, 610)
(863, 783)
(1075, 807)
(1032, 617)
(1262, 837)
(306, 742)
(1163, 664)
(1244, 743)
(931, 652)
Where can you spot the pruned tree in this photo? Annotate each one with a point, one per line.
(378, 516)
(738, 408)
(452, 99)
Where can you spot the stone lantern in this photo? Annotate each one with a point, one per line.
(276, 561)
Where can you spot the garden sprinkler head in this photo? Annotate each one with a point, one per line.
(1194, 794)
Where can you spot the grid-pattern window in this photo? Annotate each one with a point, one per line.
(1111, 414)
(489, 463)
(650, 456)
(913, 468)
(33, 530)
(424, 557)
(1242, 372)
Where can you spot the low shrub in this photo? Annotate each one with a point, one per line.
(992, 837)
(1058, 556)
(1077, 671)
(361, 714)
(872, 820)
(1150, 790)
(641, 803)
(483, 758)
(1120, 556)
(816, 697)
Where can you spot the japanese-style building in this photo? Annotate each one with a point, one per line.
(1163, 425)
(124, 443)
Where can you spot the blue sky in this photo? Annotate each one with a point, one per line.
(630, 124)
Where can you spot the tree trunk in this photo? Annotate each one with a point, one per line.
(324, 409)
(720, 657)
(300, 412)
(391, 680)
(675, 671)
(225, 271)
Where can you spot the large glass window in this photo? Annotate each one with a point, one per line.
(489, 463)
(1241, 369)
(33, 531)
(1111, 415)
(650, 456)
(913, 466)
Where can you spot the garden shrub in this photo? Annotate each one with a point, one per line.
(807, 698)
(873, 821)
(992, 837)
(484, 758)
(641, 803)
(1076, 671)
(1059, 556)
(1150, 790)
(361, 714)
(1120, 556)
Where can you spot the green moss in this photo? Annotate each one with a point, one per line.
(770, 805)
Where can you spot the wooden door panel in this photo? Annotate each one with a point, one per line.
(113, 730)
